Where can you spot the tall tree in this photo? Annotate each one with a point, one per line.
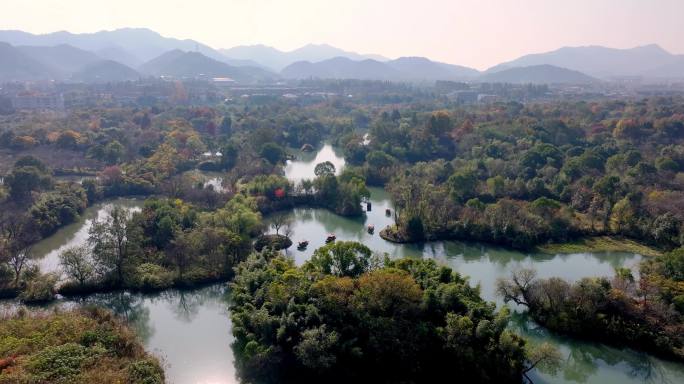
(109, 239)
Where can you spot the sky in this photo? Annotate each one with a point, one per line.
(475, 33)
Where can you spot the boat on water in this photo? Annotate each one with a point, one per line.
(303, 244)
(331, 237)
(371, 228)
(388, 212)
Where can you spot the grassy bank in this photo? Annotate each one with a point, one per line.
(599, 244)
(80, 346)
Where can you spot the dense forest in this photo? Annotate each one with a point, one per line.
(518, 175)
(348, 315)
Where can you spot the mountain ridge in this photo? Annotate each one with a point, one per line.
(598, 61)
(277, 59)
(180, 64)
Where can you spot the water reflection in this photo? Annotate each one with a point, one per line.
(483, 263)
(189, 329)
(192, 329)
(303, 167)
(588, 362)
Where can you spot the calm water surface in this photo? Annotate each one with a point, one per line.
(191, 330)
(303, 167)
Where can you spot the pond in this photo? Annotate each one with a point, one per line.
(191, 330)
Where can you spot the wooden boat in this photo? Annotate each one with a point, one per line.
(371, 228)
(388, 212)
(331, 237)
(303, 244)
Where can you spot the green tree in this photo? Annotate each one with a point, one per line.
(109, 238)
(462, 185)
(272, 152)
(325, 168)
(342, 258)
(113, 152)
(28, 175)
(77, 264)
(226, 126)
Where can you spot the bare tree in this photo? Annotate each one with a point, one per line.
(518, 287)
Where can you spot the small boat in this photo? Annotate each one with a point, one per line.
(388, 212)
(371, 228)
(303, 244)
(368, 206)
(331, 237)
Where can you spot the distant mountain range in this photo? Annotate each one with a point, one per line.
(649, 61)
(130, 46)
(181, 64)
(537, 74)
(131, 53)
(105, 71)
(277, 60)
(402, 69)
(17, 65)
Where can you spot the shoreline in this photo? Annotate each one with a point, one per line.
(580, 245)
(599, 244)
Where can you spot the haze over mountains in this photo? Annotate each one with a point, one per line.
(277, 60)
(131, 53)
(649, 61)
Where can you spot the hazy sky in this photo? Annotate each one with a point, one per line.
(477, 33)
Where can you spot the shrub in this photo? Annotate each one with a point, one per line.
(145, 372)
(151, 276)
(39, 289)
(62, 362)
(276, 242)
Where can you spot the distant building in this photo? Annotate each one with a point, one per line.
(53, 102)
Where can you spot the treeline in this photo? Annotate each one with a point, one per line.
(168, 243)
(522, 175)
(646, 315)
(347, 315)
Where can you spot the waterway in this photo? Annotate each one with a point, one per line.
(191, 330)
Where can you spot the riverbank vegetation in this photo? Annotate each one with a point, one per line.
(525, 175)
(168, 243)
(347, 314)
(600, 244)
(520, 175)
(647, 314)
(80, 346)
(506, 173)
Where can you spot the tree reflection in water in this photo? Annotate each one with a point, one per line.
(128, 306)
(585, 358)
